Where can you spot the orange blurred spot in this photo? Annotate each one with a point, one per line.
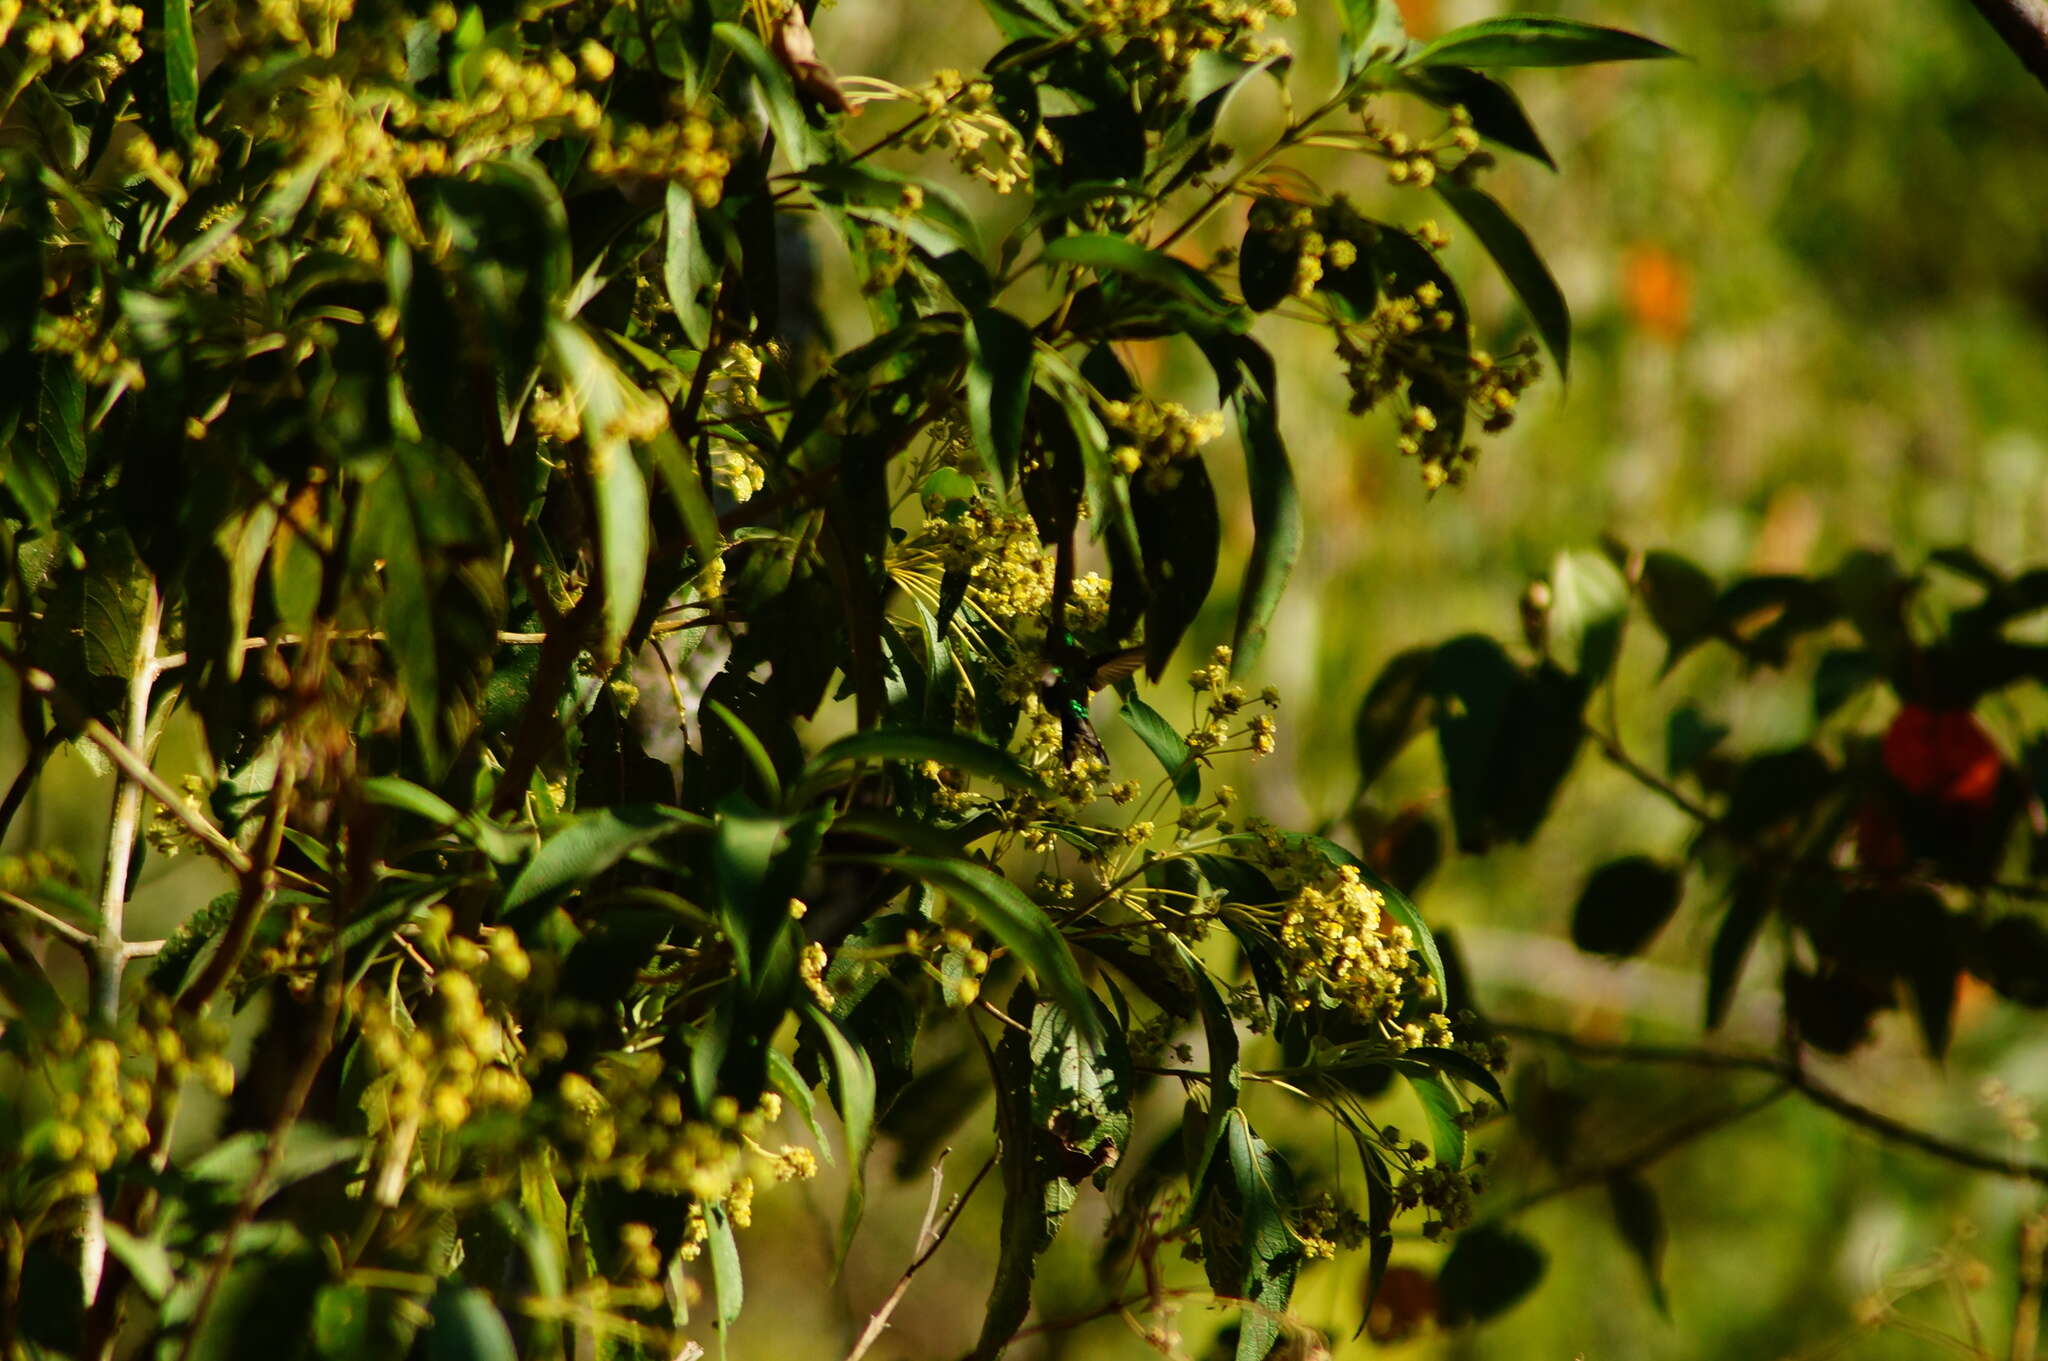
(1658, 288)
(1406, 1301)
(1420, 17)
(1943, 755)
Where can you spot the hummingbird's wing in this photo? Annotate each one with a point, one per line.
(1110, 667)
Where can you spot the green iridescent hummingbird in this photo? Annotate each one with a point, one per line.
(1070, 675)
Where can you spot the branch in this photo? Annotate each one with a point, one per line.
(928, 1240)
(1799, 1080)
(73, 936)
(126, 760)
(1669, 1141)
(2023, 26)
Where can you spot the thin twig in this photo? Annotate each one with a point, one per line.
(928, 1242)
(1668, 1142)
(1800, 1081)
(74, 936)
(126, 760)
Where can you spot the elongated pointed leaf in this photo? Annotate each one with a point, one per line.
(1276, 512)
(1531, 40)
(1394, 710)
(955, 750)
(1372, 32)
(1490, 1270)
(181, 68)
(1013, 919)
(1496, 113)
(586, 847)
(1116, 255)
(468, 1327)
(687, 268)
(1519, 261)
(606, 400)
(999, 365)
(1441, 1108)
(1640, 1221)
(1166, 745)
(1265, 1255)
(853, 1091)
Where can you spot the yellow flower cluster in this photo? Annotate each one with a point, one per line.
(960, 119)
(692, 152)
(103, 1091)
(1227, 699)
(1341, 945)
(1009, 570)
(57, 33)
(1326, 1226)
(1174, 32)
(1157, 438)
(628, 1119)
(437, 1074)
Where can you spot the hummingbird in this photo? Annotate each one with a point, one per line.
(1070, 675)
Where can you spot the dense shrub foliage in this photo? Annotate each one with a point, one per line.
(616, 711)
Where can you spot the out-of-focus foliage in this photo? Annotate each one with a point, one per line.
(614, 705)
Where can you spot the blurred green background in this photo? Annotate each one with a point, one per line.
(1809, 275)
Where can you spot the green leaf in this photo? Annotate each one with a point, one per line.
(783, 1076)
(687, 268)
(1219, 1033)
(1472, 680)
(1373, 32)
(1640, 1221)
(1519, 261)
(1441, 1108)
(1019, 924)
(1064, 1104)
(1490, 1270)
(1276, 509)
(1264, 1256)
(1749, 906)
(1531, 40)
(1689, 736)
(1166, 745)
(1453, 1063)
(1496, 113)
(909, 745)
(1843, 673)
(752, 748)
(309, 1149)
(1682, 598)
(726, 1278)
(999, 374)
(147, 1260)
(487, 836)
(1624, 905)
(1115, 255)
(617, 486)
(585, 847)
(181, 69)
(785, 114)
(853, 1091)
(468, 1327)
(424, 515)
(1179, 536)
(1394, 710)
